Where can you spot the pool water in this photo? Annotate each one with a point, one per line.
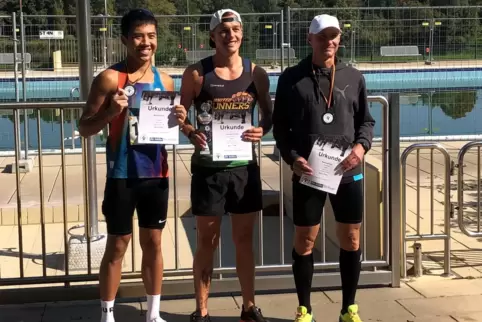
(433, 102)
(389, 80)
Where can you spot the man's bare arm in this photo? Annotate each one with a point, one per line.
(167, 81)
(188, 93)
(96, 115)
(261, 81)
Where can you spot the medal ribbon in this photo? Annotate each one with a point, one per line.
(332, 85)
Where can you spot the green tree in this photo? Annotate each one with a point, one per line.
(454, 104)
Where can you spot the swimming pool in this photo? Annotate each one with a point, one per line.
(387, 80)
(434, 102)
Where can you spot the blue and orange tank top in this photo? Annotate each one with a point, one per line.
(131, 161)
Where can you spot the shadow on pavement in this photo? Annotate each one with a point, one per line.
(123, 312)
(219, 316)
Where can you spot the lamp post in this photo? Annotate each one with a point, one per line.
(104, 38)
(352, 42)
(431, 24)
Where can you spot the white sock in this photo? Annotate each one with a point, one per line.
(153, 303)
(107, 311)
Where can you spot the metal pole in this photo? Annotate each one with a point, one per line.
(275, 54)
(393, 176)
(280, 160)
(353, 39)
(15, 53)
(85, 74)
(16, 136)
(417, 260)
(24, 84)
(104, 40)
(288, 32)
(282, 40)
(430, 41)
(104, 33)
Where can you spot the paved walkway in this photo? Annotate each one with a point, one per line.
(427, 299)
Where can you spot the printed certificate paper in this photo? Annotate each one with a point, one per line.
(232, 116)
(157, 121)
(325, 161)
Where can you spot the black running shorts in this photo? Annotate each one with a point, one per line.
(122, 196)
(347, 204)
(215, 192)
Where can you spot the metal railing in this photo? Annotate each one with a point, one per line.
(380, 271)
(418, 236)
(460, 189)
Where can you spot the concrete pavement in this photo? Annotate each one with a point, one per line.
(425, 299)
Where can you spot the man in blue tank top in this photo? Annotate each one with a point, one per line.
(223, 88)
(137, 174)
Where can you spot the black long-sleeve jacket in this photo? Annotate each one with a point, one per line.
(299, 108)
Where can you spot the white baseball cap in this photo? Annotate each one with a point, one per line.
(321, 22)
(217, 18)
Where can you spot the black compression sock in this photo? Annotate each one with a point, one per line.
(350, 267)
(303, 274)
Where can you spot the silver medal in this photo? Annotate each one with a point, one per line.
(130, 90)
(328, 117)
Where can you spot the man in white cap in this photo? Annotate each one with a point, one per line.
(225, 83)
(314, 112)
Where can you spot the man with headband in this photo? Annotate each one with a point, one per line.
(137, 174)
(321, 104)
(225, 83)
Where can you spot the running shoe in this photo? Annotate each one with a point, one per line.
(158, 319)
(252, 315)
(196, 317)
(302, 315)
(351, 315)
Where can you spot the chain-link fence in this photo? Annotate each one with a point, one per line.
(177, 37)
(437, 33)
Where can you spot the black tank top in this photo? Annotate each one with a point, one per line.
(224, 94)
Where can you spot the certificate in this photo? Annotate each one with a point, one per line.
(157, 122)
(230, 120)
(325, 160)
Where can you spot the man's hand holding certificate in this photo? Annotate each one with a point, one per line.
(232, 129)
(326, 163)
(157, 119)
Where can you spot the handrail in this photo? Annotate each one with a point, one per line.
(378, 267)
(385, 184)
(72, 91)
(42, 105)
(447, 207)
(460, 188)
